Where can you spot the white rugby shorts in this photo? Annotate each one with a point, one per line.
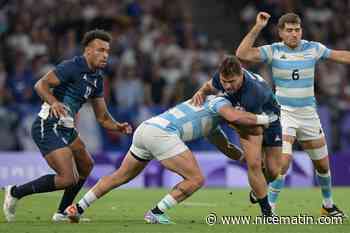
(151, 142)
(302, 126)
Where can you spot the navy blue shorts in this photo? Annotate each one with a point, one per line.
(273, 135)
(50, 136)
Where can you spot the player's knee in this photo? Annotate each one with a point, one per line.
(285, 162)
(254, 165)
(284, 168)
(319, 154)
(198, 181)
(322, 169)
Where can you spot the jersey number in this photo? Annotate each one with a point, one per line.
(87, 92)
(295, 74)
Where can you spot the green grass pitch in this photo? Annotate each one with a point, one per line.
(122, 211)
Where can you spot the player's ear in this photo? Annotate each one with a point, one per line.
(279, 31)
(87, 50)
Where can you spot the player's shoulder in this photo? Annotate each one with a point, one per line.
(216, 75)
(213, 99)
(252, 77)
(306, 44)
(274, 47)
(277, 45)
(255, 82)
(75, 63)
(214, 102)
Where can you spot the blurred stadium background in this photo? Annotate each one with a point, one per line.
(162, 51)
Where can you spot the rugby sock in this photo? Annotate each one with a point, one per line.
(166, 203)
(41, 185)
(87, 200)
(325, 182)
(275, 189)
(265, 206)
(69, 195)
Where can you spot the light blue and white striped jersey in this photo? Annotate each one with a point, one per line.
(293, 71)
(191, 122)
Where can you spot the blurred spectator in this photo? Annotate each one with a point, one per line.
(68, 46)
(188, 85)
(128, 88)
(155, 89)
(4, 94)
(9, 122)
(20, 82)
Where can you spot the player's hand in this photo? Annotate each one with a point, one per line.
(198, 98)
(124, 127)
(58, 110)
(262, 19)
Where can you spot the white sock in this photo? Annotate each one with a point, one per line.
(87, 200)
(166, 203)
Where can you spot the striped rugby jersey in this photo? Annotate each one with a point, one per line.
(191, 122)
(293, 72)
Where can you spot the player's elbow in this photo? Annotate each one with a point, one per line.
(239, 53)
(38, 86)
(247, 55)
(230, 115)
(242, 54)
(100, 120)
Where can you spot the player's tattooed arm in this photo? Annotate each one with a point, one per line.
(245, 50)
(105, 119)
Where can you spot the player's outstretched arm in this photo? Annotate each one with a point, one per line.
(341, 56)
(205, 90)
(245, 118)
(105, 119)
(245, 50)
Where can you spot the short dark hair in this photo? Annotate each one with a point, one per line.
(288, 18)
(95, 34)
(230, 67)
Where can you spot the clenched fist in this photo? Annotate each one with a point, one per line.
(262, 19)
